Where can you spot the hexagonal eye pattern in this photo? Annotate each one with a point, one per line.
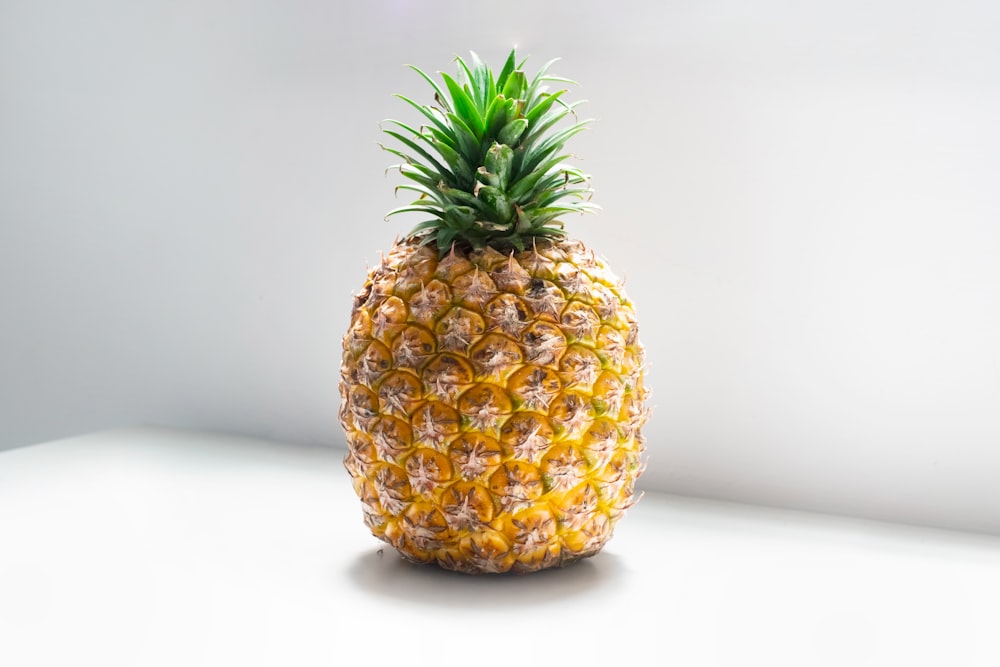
(493, 405)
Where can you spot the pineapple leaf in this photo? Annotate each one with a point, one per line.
(427, 113)
(426, 224)
(497, 201)
(486, 75)
(511, 133)
(470, 200)
(438, 93)
(411, 209)
(425, 193)
(465, 108)
(508, 67)
(543, 124)
(539, 109)
(441, 169)
(479, 80)
(414, 173)
(538, 82)
(497, 114)
(515, 85)
(489, 165)
(468, 142)
(498, 161)
(552, 143)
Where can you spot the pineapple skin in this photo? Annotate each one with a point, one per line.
(493, 405)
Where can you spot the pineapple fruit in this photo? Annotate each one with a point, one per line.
(491, 385)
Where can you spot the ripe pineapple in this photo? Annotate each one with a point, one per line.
(492, 379)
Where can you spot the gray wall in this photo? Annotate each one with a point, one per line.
(802, 196)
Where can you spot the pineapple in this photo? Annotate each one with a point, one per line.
(491, 387)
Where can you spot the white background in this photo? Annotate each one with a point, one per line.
(802, 196)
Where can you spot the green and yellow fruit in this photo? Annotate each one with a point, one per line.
(492, 380)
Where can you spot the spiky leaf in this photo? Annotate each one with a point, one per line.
(489, 165)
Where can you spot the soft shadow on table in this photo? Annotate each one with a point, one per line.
(385, 572)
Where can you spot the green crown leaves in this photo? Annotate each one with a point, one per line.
(488, 164)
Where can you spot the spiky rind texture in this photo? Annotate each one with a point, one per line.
(488, 163)
(493, 404)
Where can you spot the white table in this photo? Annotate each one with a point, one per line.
(161, 547)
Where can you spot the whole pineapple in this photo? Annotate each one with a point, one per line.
(492, 379)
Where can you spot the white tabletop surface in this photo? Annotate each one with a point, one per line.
(161, 547)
